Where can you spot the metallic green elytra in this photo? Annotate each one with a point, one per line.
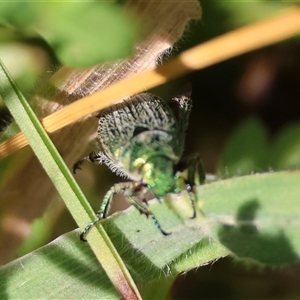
(142, 140)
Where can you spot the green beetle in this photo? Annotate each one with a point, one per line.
(142, 140)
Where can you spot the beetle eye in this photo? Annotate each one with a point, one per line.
(138, 130)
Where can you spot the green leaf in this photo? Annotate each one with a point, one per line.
(246, 151)
(254, 217)
(285, 150)
(67, 266)
(9, 14)
(244, 12)
(64, 269)
(82, 34)
(85, 34)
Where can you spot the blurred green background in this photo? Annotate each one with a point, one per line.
(246, 118)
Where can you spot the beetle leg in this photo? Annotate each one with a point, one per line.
(144, 210)
(92, 157)
(193, 165)
(129, 190)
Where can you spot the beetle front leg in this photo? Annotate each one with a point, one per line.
(129, 190)
(144, 210)
(92, 157)
(193, 165)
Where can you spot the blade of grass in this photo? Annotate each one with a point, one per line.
(66, 185)
(245, 39)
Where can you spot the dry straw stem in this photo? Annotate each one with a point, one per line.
(280, 27)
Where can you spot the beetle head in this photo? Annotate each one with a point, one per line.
(158, 174)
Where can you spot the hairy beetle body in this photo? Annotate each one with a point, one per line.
(134, 130)
(140, 139)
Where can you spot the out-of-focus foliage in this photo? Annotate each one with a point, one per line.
(81, 34)
(245, 12)
(36, 37)
(250, 150)
(246, 151)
